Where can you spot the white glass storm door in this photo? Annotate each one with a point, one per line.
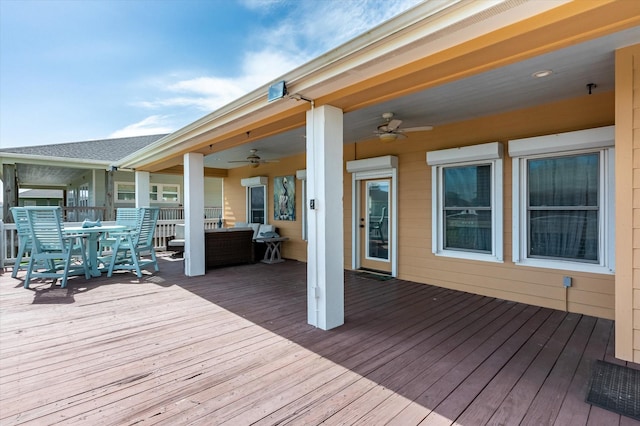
(374, 224)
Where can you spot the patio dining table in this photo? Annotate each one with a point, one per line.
(93, 234)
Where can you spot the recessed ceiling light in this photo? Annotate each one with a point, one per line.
(542, 73)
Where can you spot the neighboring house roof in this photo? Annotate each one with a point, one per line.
(100, 150)
(41, 193)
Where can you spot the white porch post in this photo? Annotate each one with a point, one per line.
(142, 189)
(325, 259)
(193, 214)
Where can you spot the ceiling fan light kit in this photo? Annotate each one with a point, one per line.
(388, 137)
(253, 159)
(390, 130)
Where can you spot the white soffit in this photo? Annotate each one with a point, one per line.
(376, 163)
(600, 137)
(485, 151)
(254, 181)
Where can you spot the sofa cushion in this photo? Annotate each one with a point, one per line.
(256, 228)
(264, 229)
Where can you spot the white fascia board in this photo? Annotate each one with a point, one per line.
(465, 154)
(600, 137)
(11, 158)
(335, 69)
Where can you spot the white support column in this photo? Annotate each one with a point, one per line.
(194, 214)
(143, 186)
(325, 258)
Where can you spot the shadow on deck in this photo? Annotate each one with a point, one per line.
(126, 351)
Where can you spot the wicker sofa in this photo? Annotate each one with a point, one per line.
(228, 246)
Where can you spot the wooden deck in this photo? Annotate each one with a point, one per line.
(233, 347)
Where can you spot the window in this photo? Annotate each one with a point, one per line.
(563, 201)
(125, 191)
(467, 202)
(257, 203)
(159, 193)
(165, 193)
(301, 175)
(256, 198)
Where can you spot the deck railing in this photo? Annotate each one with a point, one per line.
(78, 214)
(164, 230)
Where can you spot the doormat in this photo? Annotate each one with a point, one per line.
(373, 276)
(615, 388)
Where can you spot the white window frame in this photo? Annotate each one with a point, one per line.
(159, 193)
(117, 191)
(254, 182)
(476, 155)
(301, 175)
(600, 140)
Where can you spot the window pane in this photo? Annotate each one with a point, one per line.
(169, 193)
(467, 186)
(468, 230)
(378, 214)
(256, 200)
(564, 234)
(564, 181)
(467, 208)
(126, 192)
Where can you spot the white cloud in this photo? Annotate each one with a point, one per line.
(151, 125)
(308, 29)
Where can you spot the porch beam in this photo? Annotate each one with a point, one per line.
(325, 253)
(10, 194)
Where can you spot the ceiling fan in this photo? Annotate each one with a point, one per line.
(390, 130)
(254, 159)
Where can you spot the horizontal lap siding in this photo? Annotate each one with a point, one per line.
(591, 294)
(636, 203)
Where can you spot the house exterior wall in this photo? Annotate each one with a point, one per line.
(212, 188)
(628, 203)
(590, 293)
(235, 202)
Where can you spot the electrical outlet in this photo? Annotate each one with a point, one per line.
(566, 281)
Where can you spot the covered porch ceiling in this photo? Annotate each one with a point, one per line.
(484, 75)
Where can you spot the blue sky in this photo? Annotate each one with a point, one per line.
(82, 70)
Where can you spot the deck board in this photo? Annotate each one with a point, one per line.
(233, 347)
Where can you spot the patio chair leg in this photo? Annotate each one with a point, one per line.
(155, 261)
(16, 266)
(28, 277)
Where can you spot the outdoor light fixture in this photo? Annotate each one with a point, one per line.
(277, 91)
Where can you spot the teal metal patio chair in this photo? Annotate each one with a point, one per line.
(54, 254)
(24, 238)
(131, 247)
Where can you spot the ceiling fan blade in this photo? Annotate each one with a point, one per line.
(393, 125)
(238, 161)
(418, 129)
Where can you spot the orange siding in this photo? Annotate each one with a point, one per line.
(627, 296)
(235, 202)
